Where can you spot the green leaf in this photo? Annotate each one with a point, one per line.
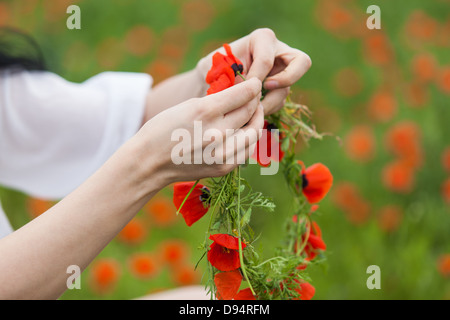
(246, 217)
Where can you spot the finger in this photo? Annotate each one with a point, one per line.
(239, 117)
(245, 138)
(297, 63)
(274, 100)
(234, 97)
(263, 51)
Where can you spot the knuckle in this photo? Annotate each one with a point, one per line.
(267, 63)
(204, 109)
(267, 32)
(249, 92)
(307, 59)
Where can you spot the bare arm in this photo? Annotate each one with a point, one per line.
(34, 259)
(173, 91)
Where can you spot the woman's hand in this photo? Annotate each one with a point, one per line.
(268, 59)
(237, 109)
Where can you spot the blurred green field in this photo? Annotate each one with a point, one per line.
(350, 65)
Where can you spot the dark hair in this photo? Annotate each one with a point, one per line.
(19, 51)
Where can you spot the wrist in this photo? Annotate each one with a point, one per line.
(143, 167)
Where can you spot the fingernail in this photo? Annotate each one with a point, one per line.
(271, 84)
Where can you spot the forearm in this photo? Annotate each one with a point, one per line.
(34, 259)
(173, 91)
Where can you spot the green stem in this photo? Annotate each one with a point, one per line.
(241, 255)
(187, 196)
(216, 202)
(268, 260)
(299, 251)
(240, 75)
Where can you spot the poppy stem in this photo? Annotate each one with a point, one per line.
(187, 196)
(240, 75)
(308, 232)
(241, 255)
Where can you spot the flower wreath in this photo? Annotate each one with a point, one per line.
(234, 269)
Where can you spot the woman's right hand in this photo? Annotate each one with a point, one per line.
(238, 107)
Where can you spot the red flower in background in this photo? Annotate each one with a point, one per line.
(223, 253)
(316, 181)
(360, 143)
(443, 264)
(446, 190)
(404, 140)
(390, 217)
(382, 105)
(196, 205)
(133, 233)
(104, 275)
(144, 265)
(174, 252)
(348, 198)
(263, 152)
(398, 176)
(222, 74)
(446, 159)
(184, 275)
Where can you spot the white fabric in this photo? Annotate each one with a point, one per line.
(54, 133)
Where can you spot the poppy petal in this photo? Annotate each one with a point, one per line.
(317, 182)
(245, 294)
(227, 284)
(306, 291)
(222, 258)
(227, 241)
(193, 208)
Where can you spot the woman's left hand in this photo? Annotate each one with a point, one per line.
(268, 59)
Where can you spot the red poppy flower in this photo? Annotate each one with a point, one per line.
(314, 241)
(306, 290)
(223, 253)
(245, 294)
(263, 152)
(196, 205)
(315, 237)
(316, 181)
(228, 284)
(222, 74)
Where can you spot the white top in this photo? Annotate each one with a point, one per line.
(54, 134)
